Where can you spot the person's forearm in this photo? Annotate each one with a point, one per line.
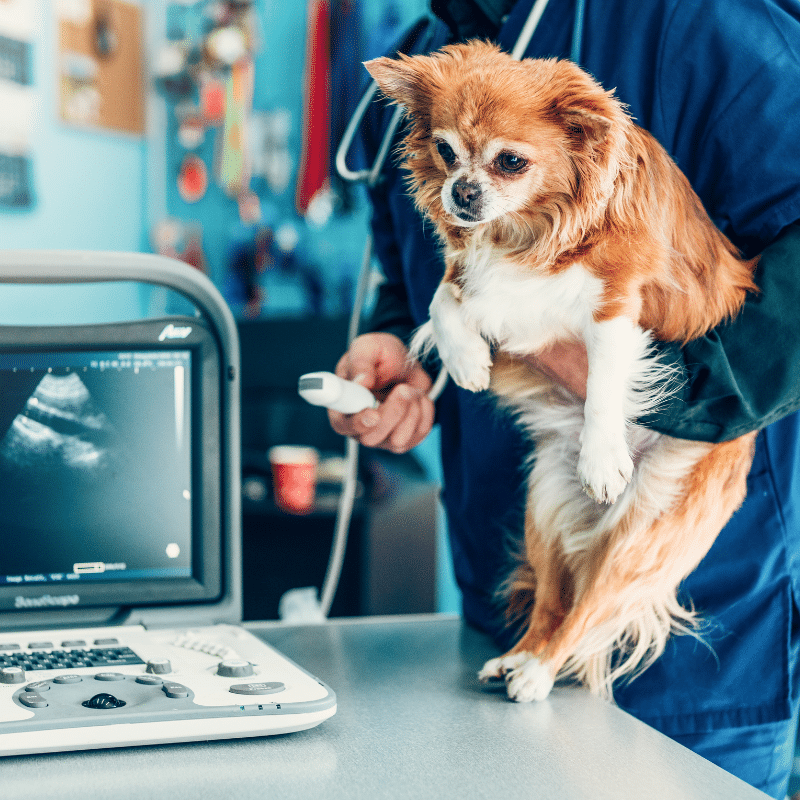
(745, 374)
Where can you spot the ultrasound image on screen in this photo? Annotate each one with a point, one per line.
(95, 466)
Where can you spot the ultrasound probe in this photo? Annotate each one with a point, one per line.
(331, 391)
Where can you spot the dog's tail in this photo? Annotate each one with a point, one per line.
(608, 654)
(607, 657)
(618, 581)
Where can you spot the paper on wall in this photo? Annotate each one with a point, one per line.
(21, 19)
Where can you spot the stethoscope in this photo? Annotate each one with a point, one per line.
(370, 178)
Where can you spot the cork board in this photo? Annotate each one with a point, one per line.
(101, 82)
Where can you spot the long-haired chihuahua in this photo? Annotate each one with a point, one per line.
(563, 220)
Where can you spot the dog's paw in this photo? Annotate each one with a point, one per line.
(605, 468)
(526, 677)
(496, 669)
(468, 360)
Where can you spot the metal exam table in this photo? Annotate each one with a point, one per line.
(412, 722)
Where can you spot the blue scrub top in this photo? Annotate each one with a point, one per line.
(718, 83)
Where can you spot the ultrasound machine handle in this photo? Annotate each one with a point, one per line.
(76, 266)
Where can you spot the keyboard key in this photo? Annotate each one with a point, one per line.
(68, 659)
(175, 690)
(12, 675)
(32, 700)
(269, 687)
(149, 680)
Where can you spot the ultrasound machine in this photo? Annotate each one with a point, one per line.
(120, 588)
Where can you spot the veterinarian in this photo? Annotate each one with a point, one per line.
(718, 83)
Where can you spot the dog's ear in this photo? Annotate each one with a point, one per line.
(589, 126)
(586, 109)
(400, 79)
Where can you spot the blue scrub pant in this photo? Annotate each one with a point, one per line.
(734, 698)
(760, 755)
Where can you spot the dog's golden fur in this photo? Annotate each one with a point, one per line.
(599, 195)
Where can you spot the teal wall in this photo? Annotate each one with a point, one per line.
(90, 194)
(89, 185)
(333, 250)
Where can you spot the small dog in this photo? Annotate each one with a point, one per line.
(563, 220)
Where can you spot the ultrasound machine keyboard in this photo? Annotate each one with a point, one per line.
(130, 685)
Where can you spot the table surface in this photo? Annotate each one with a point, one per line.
(412, 722)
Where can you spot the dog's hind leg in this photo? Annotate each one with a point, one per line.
(541, 591)
(558, 517)
(626, 580)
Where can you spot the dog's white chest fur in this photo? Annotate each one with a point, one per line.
(523, 311)
(498, 302)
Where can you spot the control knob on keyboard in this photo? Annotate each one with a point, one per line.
(12, 675)
(159, 666)
(234, 668)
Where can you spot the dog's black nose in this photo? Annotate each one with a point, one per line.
(465, 194)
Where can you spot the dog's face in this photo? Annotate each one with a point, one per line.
(493, 137)
(483, 176)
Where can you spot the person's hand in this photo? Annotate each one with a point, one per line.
(404, 417)
(566, 363)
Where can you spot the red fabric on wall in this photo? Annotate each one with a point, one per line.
(315, 156)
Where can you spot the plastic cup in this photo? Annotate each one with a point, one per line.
(294, 477)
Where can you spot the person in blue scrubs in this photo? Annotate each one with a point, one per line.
(718, 84)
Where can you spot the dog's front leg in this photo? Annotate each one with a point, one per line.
(605, 466)
(463, 351)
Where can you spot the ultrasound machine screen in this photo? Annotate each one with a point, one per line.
(108, 486)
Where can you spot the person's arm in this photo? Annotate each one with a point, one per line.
(379, 358)
(740, 377)
(404, 417)
(745, 374)
(391, 313)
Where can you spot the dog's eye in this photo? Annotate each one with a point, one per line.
(510, 162)
(446, 152)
